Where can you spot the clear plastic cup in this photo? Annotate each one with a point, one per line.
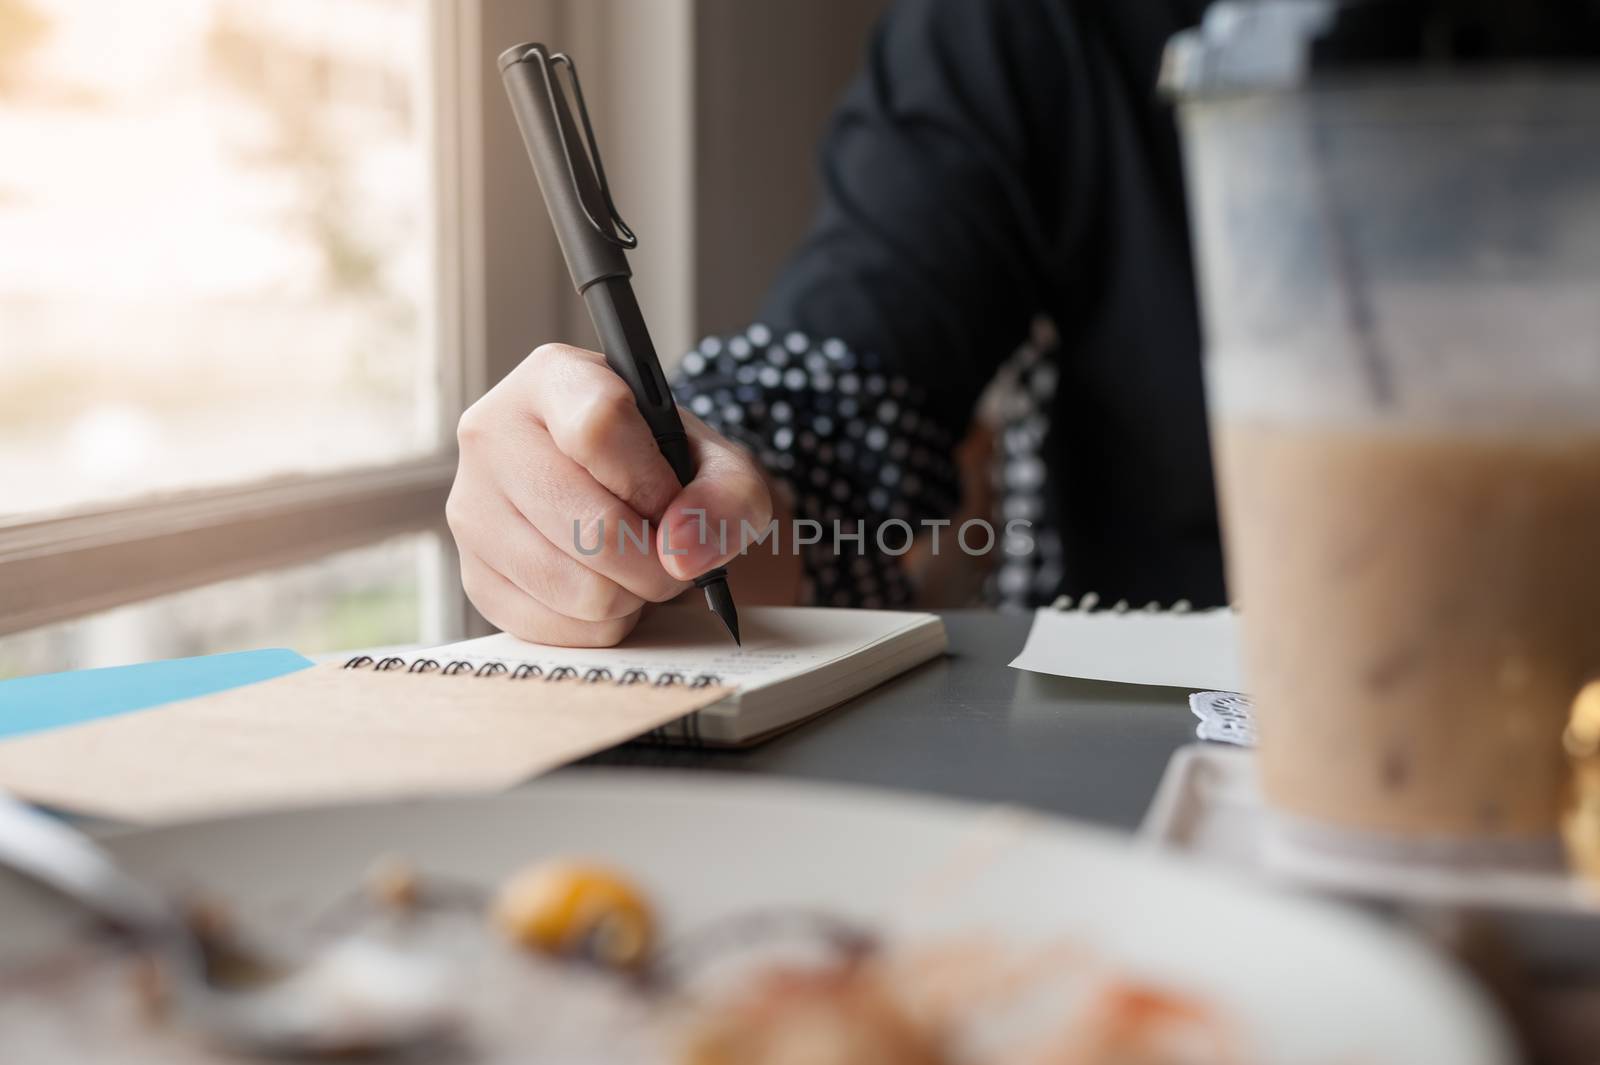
(1400, 283)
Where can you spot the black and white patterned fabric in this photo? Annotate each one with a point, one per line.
(1020, 477)
(851, 442)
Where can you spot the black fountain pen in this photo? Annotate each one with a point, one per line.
(593, 239)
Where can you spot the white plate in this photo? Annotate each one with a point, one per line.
(1311, 984)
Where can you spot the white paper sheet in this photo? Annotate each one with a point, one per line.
(1195, 651)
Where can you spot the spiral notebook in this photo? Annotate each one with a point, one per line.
(481, 715)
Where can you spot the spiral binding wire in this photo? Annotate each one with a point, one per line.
(531, 671)
(1089, 603)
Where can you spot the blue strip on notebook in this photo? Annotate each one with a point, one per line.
(33, 704)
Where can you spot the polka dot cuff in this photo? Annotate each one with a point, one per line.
(851, 443)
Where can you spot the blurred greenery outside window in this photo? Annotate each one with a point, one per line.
(217, 268)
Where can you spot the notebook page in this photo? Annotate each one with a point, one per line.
(1198, 651)
(779, 642)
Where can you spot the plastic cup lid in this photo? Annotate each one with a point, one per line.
(1266, 45)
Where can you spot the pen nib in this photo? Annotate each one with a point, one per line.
(720, 600)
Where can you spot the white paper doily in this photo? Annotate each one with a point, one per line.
(1225, 717)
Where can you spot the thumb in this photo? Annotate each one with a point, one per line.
(701, 527)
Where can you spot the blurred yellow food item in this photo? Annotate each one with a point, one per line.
(1580, 826)
(575, 909)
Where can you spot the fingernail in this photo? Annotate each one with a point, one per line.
(692, 546)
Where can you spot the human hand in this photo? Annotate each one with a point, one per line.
(554, 454)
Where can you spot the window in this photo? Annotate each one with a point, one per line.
(232, 242)
(215, 251)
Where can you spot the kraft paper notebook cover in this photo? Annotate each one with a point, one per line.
(484, 714)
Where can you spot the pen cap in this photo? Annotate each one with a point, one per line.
(579, 209)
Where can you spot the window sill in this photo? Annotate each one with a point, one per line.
(60, 567)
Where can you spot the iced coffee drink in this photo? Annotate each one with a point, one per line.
(1421, 607)
(1398, 260)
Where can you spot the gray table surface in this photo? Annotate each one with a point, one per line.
(969, 726)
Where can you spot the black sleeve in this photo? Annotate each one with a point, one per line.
(942, 180)
(923, 271)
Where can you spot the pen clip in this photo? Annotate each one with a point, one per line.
(627, 239)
